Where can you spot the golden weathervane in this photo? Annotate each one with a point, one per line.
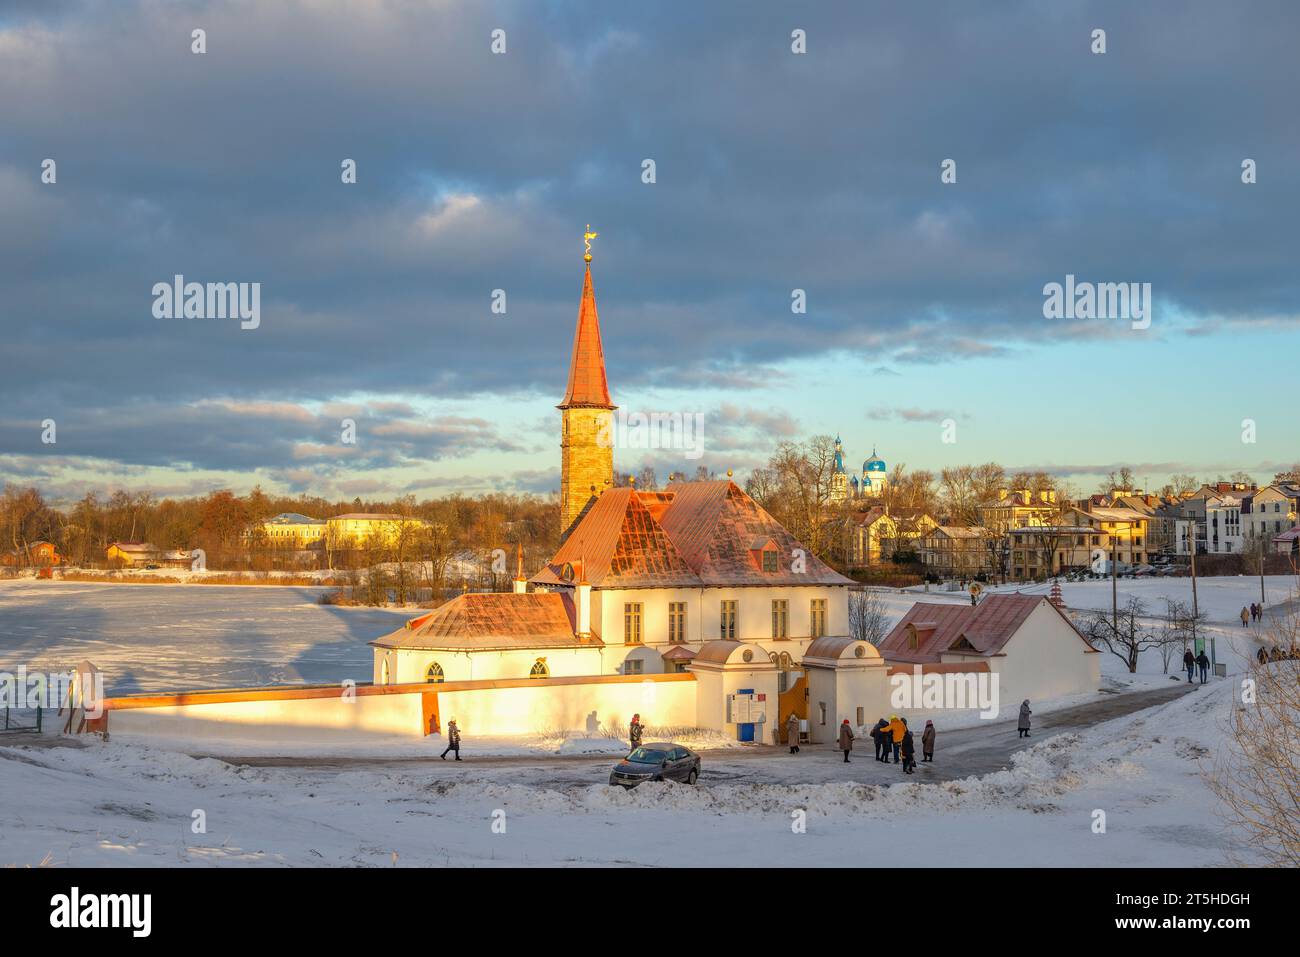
(587, 237)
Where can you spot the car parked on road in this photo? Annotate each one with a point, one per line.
(660, 761)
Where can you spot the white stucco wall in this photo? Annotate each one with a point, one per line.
(704, 618)
(410, 667)
(1044, 659)
(278, 719)
(843, 691)
(541, 709)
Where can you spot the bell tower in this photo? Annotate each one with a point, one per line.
(586, 438)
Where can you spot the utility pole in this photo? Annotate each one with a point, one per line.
(1195, 609)
(1114, 586)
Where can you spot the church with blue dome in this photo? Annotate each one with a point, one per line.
(871, 484)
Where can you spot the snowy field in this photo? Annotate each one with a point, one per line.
(156, 638)
(130, 802)
(117, 804)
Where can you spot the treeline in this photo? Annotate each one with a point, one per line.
(796, 487)
(228, 527)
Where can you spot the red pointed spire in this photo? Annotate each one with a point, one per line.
(587, 384)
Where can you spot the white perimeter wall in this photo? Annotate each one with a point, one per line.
(542, 709)
(538, 707)
(289, 718)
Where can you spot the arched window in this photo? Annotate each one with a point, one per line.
(434, 674)
(539, 669)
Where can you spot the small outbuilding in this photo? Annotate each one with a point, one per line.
(847, 678)
(736, 689)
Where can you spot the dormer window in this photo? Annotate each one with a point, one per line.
(765, 554)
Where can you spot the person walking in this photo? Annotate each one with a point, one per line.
(634, 731)
(1189, 662)
(909, 750)
(1245, 617)
(846, 739)
(1023, 724)
(895, 740)
(792, 732)
(927, 742)
(453, 739)
(1204, 664)
(880, 733)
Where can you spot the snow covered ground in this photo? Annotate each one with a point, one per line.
(119, 804)
(126, 803)
(154, 638)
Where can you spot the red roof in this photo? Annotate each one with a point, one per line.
(981, 630)
(693, 534)
(587, 384)
(495, 620)
(617, 543)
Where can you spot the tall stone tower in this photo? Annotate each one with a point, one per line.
(586, 442)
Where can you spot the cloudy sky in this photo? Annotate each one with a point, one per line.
(774, 171)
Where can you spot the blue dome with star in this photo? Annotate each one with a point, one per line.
(874, 464)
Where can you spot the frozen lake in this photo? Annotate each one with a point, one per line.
(153, 638)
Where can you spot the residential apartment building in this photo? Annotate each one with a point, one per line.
(951, 551)
(1019, 508)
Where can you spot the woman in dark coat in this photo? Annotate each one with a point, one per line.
(453, 739)
(1023, 724)
(927, 742)
(846, 739)
(882, 742)
(908, 748)
(1189, 662)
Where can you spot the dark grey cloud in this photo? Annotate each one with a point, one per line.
(476, 172)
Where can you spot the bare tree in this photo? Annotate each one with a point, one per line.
(868, 620)
(1127, 641)
(1176, 631)
(1258, 776)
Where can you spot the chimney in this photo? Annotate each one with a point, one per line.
(584, 608)
(521, 583)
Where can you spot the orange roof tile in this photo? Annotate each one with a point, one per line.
(617, 543)
(697, 533)
(587, 384)
(492, 621)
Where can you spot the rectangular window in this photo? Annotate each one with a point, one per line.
(780, 618)
(632, 623)
(769, 561)
(676, 621)
(631, 667)
(728, 630)
(817, 617)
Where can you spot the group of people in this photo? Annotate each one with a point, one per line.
(1251, 614)
(1277, 653)
(892, 736)
(1191, 662)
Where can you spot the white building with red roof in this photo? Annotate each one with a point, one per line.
(1026, 640)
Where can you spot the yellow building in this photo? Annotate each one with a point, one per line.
(356, 528)
(127, 554)
(1019, 508)
(1125, 534)
(293, 530)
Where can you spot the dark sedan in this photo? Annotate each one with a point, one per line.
(657, 762)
